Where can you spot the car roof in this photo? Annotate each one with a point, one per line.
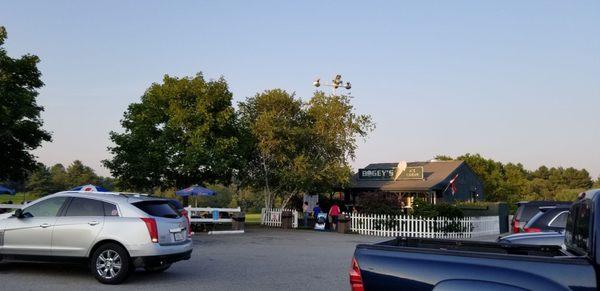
(109, 196)
(560, 206)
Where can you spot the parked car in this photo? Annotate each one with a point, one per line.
(437, 264)
(534, 238)
(113, 232)
(549, 218)
(527, 209)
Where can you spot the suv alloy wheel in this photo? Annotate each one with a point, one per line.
(110, 264)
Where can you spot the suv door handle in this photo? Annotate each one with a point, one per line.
(44, 225)
(94, 222)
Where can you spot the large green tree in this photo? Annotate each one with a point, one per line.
(20, 123)
(334, 127)
(274, 135)
(59, 177)
(78, 174)
(39, 181)
(296, 147)
(183, 132)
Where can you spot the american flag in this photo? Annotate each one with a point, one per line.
(452, 185)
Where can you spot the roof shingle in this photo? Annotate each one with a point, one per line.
(434, 172)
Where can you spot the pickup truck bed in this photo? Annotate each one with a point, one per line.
(476, 247)
(432, 264)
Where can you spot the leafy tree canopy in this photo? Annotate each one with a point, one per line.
(183, 132)
(295, 147)
(20, 123)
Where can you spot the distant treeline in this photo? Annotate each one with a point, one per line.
(512, 182)
(45, 180)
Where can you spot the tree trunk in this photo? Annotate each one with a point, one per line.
(180, 184)
(268, 198)
(287, 199)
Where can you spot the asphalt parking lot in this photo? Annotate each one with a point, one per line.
(260, 259)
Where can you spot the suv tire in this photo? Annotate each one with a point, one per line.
(110, 264)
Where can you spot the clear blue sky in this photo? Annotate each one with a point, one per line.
(513, 80)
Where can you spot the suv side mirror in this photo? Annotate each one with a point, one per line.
(18, 213)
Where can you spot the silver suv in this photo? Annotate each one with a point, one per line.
(114, 232)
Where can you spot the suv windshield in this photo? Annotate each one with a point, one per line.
(159, 208)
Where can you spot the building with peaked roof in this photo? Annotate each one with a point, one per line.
(434, 181)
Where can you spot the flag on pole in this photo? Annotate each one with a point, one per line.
(452, 185)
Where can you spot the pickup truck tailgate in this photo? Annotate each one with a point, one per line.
(388, 267)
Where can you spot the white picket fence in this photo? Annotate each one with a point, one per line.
(411, 226)
(272, 217)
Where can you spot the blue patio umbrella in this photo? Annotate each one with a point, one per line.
(89, 188)
(195, 191)
(4, 190)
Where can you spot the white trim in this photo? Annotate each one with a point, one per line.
(555, 217)
(211, 211)
(225, 232)
(11, 206)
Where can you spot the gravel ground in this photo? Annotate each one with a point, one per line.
(260, 259)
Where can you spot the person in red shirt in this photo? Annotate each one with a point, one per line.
(334, 212)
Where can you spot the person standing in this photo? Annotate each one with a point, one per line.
(316, 210)
(305, 209)
(334, 212)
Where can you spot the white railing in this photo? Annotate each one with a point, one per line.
(272, 217)
(412, 226)
(195, 214)
(10, 206)
(6, 210)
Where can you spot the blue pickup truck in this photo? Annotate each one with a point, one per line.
(440, 265)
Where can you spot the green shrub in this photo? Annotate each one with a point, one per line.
(473, 205)
(428, 210)
(421, 208)
(379, 203)
(449, 211)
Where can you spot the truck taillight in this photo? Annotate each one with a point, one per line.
(532, 229)
(152, 228)
(355, 278)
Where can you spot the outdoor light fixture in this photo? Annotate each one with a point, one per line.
(317, 83)
(335, 83)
